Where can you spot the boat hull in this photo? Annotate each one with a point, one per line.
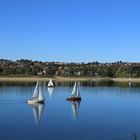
(74, 99)
(33, 101)
(51, 86)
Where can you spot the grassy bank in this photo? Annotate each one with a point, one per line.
(33, 79)
(64, 79)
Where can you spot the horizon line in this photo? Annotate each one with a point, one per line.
(14, 60)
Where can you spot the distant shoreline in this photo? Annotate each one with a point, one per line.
(64, 79)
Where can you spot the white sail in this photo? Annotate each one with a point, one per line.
(35, 94)
(50, 83)
(74, 90)
(40, 96)
(130, 79)
(78, 92)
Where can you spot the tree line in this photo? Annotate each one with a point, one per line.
(24, 67)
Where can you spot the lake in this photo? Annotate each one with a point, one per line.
(107, 111)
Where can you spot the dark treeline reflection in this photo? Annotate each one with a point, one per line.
(100, 84)
(17, 83)
(70, 84)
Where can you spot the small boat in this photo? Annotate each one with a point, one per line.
(37, 95)
(50, 84)
(75, 96)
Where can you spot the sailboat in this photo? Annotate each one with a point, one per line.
(37, 111)
(75, 107)
(37, 95)
(50, 84)
(75, 95)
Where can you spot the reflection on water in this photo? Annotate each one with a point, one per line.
(23, 84)
(50, 91)
(108, 111)
(103, 83)
(129, 84)
(37, 109)
(75, 107)
(134, 136)
(108, 83)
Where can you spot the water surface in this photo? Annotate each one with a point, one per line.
(107, 111)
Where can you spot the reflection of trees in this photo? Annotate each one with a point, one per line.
(101, 83)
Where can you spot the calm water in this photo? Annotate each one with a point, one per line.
(108, 111)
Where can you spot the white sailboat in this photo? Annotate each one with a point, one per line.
(50, 84)
(75, 95)
(75, 107)
(37, 111)
(37, 95)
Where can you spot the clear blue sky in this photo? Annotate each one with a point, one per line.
(70, 30)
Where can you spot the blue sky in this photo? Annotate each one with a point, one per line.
(70, 30)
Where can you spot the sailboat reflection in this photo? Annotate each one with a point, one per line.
(130, 84)
(75, 107)
(38, 109)
(50, 91)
